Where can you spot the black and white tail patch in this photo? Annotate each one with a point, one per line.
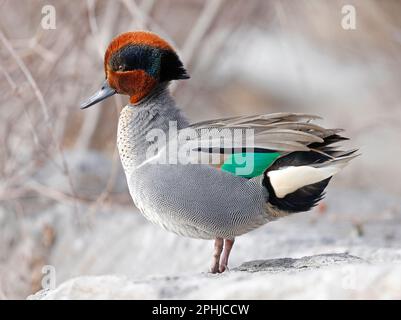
(300, 200)
(296, 181)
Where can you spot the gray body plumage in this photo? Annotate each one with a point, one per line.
(194, 200)
(201, 201)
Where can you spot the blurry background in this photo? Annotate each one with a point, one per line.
(63, 197)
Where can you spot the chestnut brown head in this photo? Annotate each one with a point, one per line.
(135, 63)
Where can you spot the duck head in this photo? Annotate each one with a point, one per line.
(134, 64)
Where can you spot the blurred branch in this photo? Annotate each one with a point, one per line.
(44, 53)
(43, 105)
(140, 19)
(203, 23)
(143, 19)
(27, 74)
(99, 202)
(91, 116)
(56, 195)
(94, 26)
(195, 35)
(10, 81)
(147, 6)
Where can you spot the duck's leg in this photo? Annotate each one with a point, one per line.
(228, 244)
(218, 248)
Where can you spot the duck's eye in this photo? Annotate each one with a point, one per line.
(121, 67)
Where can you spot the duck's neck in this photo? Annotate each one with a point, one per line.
(137, 121)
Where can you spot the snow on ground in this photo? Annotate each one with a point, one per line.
(338, 276)
(123, 256)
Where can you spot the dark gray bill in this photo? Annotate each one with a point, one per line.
(105, 92)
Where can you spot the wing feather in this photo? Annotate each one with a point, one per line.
(283, 132)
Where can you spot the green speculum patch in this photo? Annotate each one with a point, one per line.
(249, 164)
